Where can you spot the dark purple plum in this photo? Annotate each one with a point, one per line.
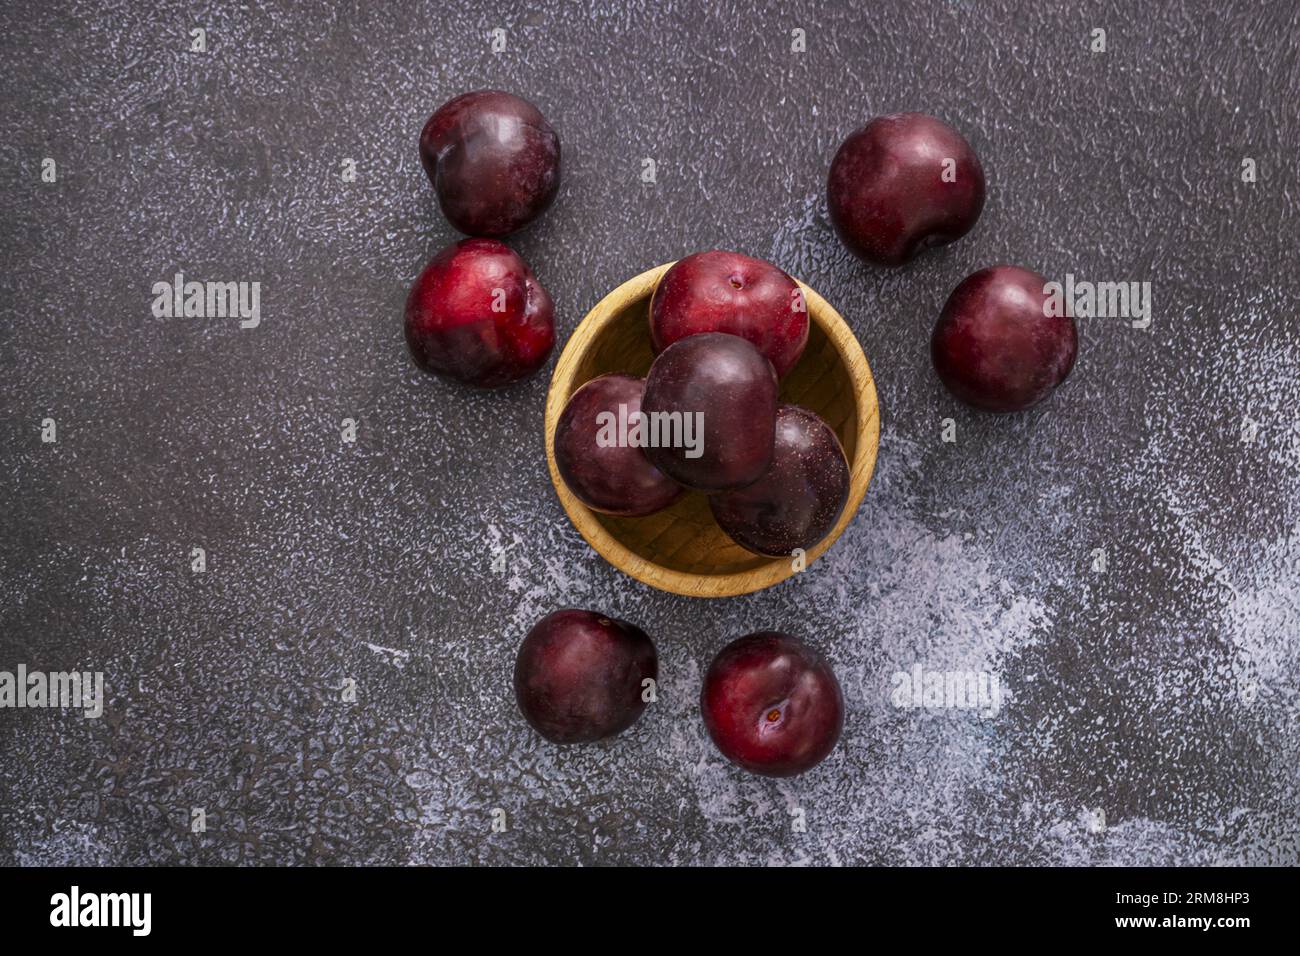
(995, 345)
(901, 184)
(798, 499)
(772, 704)
(579, 676)
(725, 383)
(478, 315)
(721, 291)
(493, 160)
(605, 473)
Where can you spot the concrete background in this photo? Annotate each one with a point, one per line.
(1162, 693)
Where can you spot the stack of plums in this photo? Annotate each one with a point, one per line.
(725, 328)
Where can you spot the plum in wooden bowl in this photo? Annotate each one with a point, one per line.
(681, 548)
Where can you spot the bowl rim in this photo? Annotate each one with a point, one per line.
(693, 584)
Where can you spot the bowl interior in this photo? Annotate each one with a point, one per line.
(685, 537)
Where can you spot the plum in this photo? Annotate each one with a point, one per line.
(772, 704)
(798, 499)
(493, 160)
(477, 314)
(996, 347)
(605, 472)
(580, 676)
(711, 406)
(728, 292)
(901, 184)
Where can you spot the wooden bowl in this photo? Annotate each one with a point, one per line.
(681, 549)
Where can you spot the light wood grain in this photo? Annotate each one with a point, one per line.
(681, 549)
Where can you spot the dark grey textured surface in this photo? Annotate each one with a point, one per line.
(1162, 692)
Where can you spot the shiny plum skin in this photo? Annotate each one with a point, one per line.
(493, 160)
(798, 499)
(616, 480)
(772, 704)
(478, 315)
(728, 381)
(994, 346)
(728, 292)
(886, 191)
(578, 676)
